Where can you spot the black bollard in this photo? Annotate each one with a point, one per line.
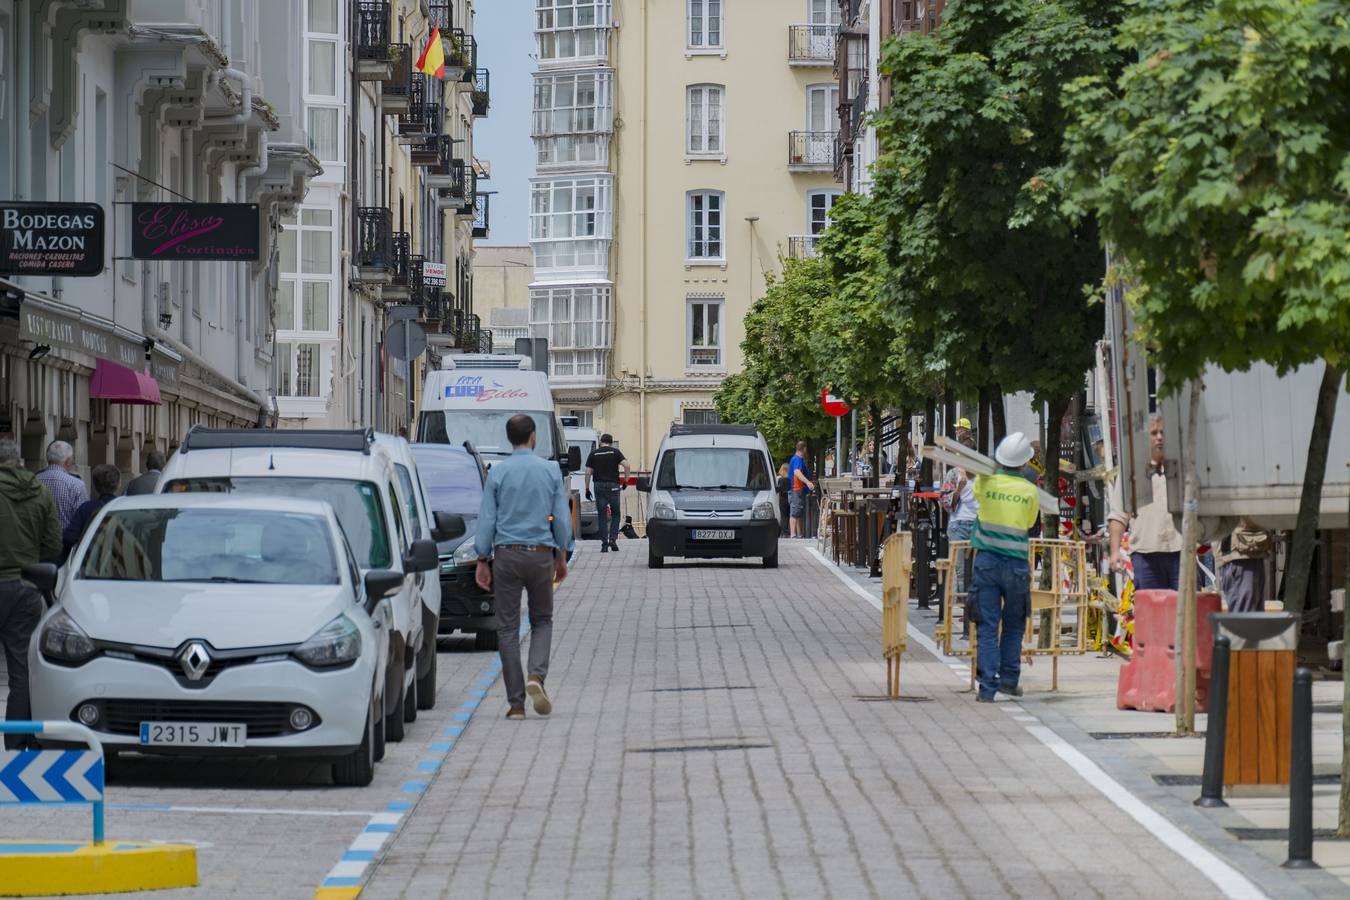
(1301, 775)
(1216, 732)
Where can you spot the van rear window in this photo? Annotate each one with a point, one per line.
(357, 504)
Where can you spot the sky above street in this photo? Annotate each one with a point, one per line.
(504, 29)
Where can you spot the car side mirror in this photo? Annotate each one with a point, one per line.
(644, 484)
(448, 526)
(381, 583)
(572, 462)
(422, 557)
(43, 577)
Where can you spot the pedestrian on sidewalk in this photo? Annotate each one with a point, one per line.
(1155, 543)
(958, 498)
(524, 535)
(67, 490)
(147, 482)
(1002, 573)
(799, 485)
(107, 479)
(603, 466)
(1242, 567)
(32, 533)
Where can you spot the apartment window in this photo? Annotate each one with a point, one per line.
(576, 321)
(297, 370)
(705, 333)
(323, 16)
(306, 259)
(700, 417)
(323, 132)
(822, 108)
(819, 204)
(571, 222)
(705, 104)
(705, 23)
(704, 218)
(585, 417)
(824, 12)
(571, 29)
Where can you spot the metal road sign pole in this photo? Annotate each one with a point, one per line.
(408, 376)
(838, 446)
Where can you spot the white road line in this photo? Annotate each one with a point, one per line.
(1226, 878)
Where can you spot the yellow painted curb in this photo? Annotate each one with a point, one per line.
(50, 868)
(337, 893)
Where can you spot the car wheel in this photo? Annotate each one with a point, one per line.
(393, 714)
(485, 640)
(654, 561)
(426, 685)
(410, 697)
(771, 562)
(379, 732)
(357, 769)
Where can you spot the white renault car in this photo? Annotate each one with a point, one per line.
(202, 624)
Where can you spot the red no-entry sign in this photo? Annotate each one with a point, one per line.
(832, 404)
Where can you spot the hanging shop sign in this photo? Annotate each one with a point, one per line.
(45, 328)
(195, 231)
(51, 238)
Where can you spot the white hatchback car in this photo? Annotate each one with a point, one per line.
(202, 624)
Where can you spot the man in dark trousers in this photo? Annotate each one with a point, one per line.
(32, 533)
(147, 482)
(525, 530)
(603, 466)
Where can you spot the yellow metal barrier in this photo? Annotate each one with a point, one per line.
(896, 564)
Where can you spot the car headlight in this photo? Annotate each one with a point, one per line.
(465, 554)
(64, 641)
(663, 510)
(763, 510)
(335, 644)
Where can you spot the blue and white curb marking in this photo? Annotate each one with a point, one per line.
(351, 869)
(51, 776)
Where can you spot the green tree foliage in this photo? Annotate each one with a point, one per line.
(779, 389)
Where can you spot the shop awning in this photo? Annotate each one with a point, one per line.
(118, 384)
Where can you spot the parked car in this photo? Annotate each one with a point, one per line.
(200, 624)
(454, 479)
(359, 476)
(585, 440)
(711, 495)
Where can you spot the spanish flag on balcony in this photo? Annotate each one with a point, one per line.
(432, 60)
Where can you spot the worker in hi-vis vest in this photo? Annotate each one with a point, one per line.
(1001, 585)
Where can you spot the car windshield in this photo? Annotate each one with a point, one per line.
(713, 468)
(357, 504)
(234, 546)
(452, 480)
(484, 428)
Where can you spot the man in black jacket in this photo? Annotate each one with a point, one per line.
(603, 465)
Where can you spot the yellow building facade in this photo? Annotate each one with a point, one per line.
(718, 162)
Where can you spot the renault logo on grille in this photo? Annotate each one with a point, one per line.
(195, 660)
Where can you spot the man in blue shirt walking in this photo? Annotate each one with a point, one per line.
(525, 530)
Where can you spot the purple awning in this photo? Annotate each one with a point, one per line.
(118, 384)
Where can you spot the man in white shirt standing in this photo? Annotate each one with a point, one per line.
(1155, 543)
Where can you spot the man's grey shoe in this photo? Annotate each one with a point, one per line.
(1014, 691)
(535, 688)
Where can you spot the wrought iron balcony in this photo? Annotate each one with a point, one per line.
(442, 15)
(858, 110)
(397, 88)
(812, 45)
(374, 243)
(481, 95)
(482, 219)
(468, 205)
(400, 253)
(425, 115)
(801, 246)
(416, 283)
(372, 40)
(434, 151)
(461, 53)
(812, 151)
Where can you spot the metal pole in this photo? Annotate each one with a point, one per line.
(1216, 732)
(407, 379)
(1301, 775)
(852, 438)
(838, 446)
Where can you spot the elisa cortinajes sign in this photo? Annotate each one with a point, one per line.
(194, 231)
(51, 238)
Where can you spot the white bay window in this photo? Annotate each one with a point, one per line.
(576, 321)
(568, 31)
(573, 117)
(571, 223)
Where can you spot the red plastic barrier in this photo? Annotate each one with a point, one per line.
(1148, 680)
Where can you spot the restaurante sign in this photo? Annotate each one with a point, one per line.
(51, 238)
(194, 231)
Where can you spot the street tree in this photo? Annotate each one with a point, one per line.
(1220, 171)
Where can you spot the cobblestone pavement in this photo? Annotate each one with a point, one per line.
(717, 734)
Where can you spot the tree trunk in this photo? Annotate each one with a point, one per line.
(982, 426)
(999, 413)
(1343, 815)
(1298, 568)
(929, 418)
(1185, 628)
(1050, 459)
(904, 443)
(949, 414)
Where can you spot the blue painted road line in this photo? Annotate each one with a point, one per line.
(399, 806)
(442, 746)
(453, 730)
(429, 765)
(413, 787)
(358, 856)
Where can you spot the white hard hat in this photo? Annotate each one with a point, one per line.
(1014, 451)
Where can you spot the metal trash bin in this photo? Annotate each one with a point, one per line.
(1260, 693)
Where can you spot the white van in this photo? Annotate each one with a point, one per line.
(585, 440)
(712, 495)
(360, 476)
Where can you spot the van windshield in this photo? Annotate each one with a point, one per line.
(357, 504)
(485, 428)
(713, 468)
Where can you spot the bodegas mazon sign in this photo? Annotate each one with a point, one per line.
(51, 238)
(195, 231)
